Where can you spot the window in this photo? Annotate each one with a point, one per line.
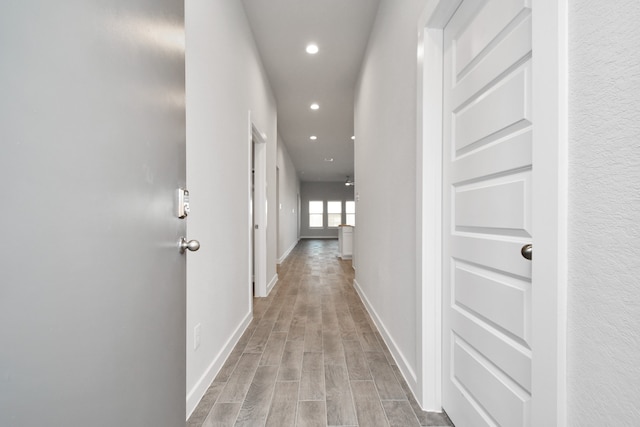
(316, 211)
(351, 213)
(334, 209)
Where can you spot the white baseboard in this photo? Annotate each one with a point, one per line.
(201, 386)
(272, 283)
(407, 371)
(320, 237)
(286, 254)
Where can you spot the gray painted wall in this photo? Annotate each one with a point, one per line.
(326, 191)
(604, 213)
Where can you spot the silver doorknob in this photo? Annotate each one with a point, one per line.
(192, 245)
(527, 251)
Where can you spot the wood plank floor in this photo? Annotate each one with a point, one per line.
(312, 356)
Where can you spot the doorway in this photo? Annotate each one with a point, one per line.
(279, 208)
(258, 210)
(546, 188)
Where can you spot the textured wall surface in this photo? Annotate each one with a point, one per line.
(604, 223)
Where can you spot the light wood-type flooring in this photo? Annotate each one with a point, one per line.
(312, 356)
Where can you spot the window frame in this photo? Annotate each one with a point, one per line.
(340, 203)
(321, 214)
(347, 214)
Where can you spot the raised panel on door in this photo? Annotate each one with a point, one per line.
(484, 32)
(499, 205)
(499, 399)
(500, 110)
(487, 181)
(500, 300)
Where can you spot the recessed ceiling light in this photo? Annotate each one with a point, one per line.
(353, 137)
(314, 106)
(328, 160)
(313, 137)
(312, 49)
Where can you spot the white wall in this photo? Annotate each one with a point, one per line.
(288, 209)
(604, 209)
(385, 162)
(224, 80)
(325, 191)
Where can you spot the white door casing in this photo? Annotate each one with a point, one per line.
(259, 255)
(547, 196)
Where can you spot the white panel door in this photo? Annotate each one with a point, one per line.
(487, 169)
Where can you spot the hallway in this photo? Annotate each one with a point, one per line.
(311, 357)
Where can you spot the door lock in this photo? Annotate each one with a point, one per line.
(183, 203)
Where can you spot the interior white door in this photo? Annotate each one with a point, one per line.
(487, 169)
(259, 212)
(92, 284)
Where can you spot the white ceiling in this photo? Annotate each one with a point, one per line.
(282, 30)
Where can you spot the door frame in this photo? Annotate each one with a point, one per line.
(259, 200)
(278, 211)
(549, 197)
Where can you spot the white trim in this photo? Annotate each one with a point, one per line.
(401, 361)
(319, 237)
(200, 388)
(549, 217)
(286, 254)
(550, 201)
(250, 234)
(429, 202)
(272, 283)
